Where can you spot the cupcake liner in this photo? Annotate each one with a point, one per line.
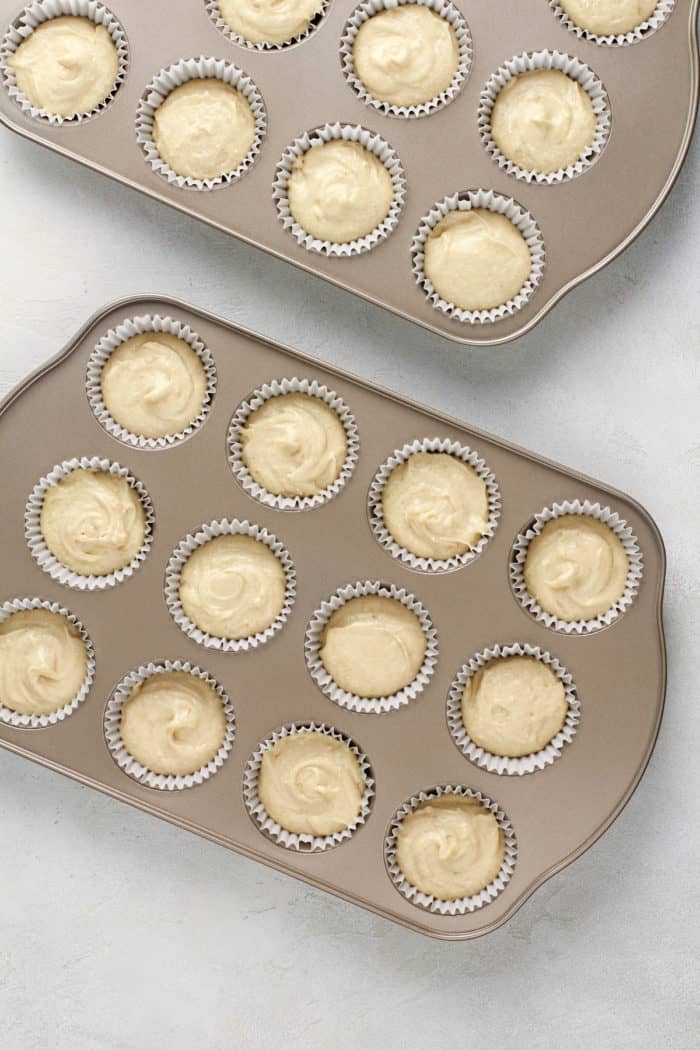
(581, 74)
(112, 341)
(349, 133)
(623, 532)
(30, 19)
(461, 905)
(129, 765)
(464, 201)
(22, 721)
(274, 389)
(501, 763)
(175, 76)
(290, 840)
(48, 561)
(186, 548)
(446, 10)
(212, 9)
(376, 510)
(350, 701)
(645, 29)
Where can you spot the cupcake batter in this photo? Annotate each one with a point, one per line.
(232, 587)
(173, 723)
(269, 21)
(93, 522)
(67, 66)
(373, 646)
(406, 55)
(204, 129)
(294, 445)
(435, 506)
(608, 17)
(339, 191)
(476, 259)
(576, 568)
(43, 662)
(311, 784)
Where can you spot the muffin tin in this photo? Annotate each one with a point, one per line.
(618, 672)
(651, 84)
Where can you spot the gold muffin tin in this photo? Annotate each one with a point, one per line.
(618, 671)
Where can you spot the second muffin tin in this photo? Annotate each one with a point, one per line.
(554, 812)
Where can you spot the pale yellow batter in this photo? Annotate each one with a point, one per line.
(435, 505)
(204, 129)
(311, 784)
(576, 568)
(476, 259)
(93, 522)
(450, 847)
(173, 723)
(514, 706)
(43, 662)
(608, 17)
(373, 646)
(339, 191)
(232, 587)
(67, 66)
(406, 56)
(269, 21)
(543, 121)
(294, 445)
(154, 385)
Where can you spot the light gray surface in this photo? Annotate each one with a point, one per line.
(118, 932)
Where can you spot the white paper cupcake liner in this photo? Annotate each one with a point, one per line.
(350, 701)
(349, 133)
(214, 12)
(461, 905)
(37, 545)
(446, 10)
(43, 11)
(501, 763)
(527, 63)
(623, 532)
(258, 398)
(183, 552)
(23, 721)
(376, 509)
(174, 76)
(521, 219)
(112, 341)
(290, 840)
(127, 763)
(659, 15)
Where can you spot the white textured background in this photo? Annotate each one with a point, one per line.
(118, 932)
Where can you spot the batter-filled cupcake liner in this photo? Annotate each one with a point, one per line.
(446, 10)
(495, 763)
(214, 12)
(303, 843)
(466, 200)
(318, 137)
(529, 62)
(629, 543)
(34, 15)
(126, 762)
(325, 682)
(35, 539)
(175, 76)
(659, 15)
(184, 550)
(24, 721)
(110, 342)
(245, 410)
(461, 905)
(375, 505)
